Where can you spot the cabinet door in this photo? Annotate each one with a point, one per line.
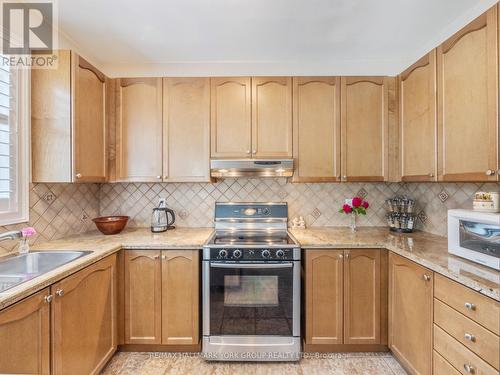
(25, 336)
(139, 131)
(231, 117)
(364, 131)
(186, 129)
(83, 319)
(272, 117)
(89, 122)
(418, 120)
(180, 297)
(410, 314)
(142, 297)
(324, 294)
(363, 292)
(467, 102)
(51, 122)
(316, 129)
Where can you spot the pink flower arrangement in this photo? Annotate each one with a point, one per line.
(355, 206)
(28, 231)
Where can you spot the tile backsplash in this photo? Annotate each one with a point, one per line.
(318, 203)
(59, 210)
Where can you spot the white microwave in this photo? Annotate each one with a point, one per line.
(475, 236)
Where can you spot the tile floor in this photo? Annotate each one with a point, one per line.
(330, 363)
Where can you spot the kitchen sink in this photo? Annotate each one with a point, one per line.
(21, 268)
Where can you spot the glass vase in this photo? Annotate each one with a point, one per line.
(352, 222)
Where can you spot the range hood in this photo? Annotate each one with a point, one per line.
(220, 168)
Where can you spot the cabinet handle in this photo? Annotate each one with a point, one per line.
(78, 175)
(469, 369)
(470, 306)
(426, 277)
(490, 172)
(470, 337)
(60, 292)
(48, 299)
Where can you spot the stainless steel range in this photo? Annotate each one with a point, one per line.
(251, 285)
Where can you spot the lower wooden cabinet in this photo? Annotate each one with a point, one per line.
(411, 314)
(346, 297)
(162, 297)
(25, 336)
(83, 319)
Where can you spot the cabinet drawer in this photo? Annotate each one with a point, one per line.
(481, 309)
(478, 339)
(459, 356)
(441, 366)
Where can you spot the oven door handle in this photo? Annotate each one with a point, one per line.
(251, 265)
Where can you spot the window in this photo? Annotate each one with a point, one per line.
(14, 145)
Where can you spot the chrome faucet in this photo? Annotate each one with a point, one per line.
(11, 235)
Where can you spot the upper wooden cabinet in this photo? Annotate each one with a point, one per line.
(83, 319)
(231, 117)
(364, 128)
(316, 129)
(411, 314)
(68, 118)
(271, 117)
(418, 120)
(25, 336)
(186, 134)
(251, 117)
(467, 102)
(139, 130)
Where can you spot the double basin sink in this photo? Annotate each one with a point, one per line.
(21, 268)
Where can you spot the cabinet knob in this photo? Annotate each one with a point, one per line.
(470, 337)
(48, 299)
(156, 257)
(470, 306)
(248, 151)
(341, 256)
(254, 151)
(347, 255)
(158, 177)
(431, 174)
(344, 177)
(78, 175)
(426, 277)
(469, 369)
(490, 172)
(163, 257)
(60, 292)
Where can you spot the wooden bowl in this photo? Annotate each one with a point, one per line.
(110, 224)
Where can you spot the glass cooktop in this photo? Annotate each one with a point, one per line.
(253, 238)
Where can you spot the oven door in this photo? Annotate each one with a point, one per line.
(252, 299)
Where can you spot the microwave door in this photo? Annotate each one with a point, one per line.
(483, 238)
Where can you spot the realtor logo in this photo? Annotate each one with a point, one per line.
(27, 28)
(28, 33)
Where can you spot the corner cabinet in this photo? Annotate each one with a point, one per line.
(68, 120)
(251, 117)
(364, 128)
(467, 74)
(411, 314)
(418, 120)
(162, 297)
(25, 336)
(139, 130)
(345, 299)
(316, 129)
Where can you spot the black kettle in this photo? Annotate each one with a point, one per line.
(163, 218)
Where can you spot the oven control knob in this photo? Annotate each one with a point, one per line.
(237, 253)
(223, 253)
(266, 253)
(280, 253)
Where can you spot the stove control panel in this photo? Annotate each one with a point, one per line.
(251, 254)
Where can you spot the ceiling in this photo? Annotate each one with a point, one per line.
(260, 37)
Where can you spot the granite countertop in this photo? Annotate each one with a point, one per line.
(424, 248)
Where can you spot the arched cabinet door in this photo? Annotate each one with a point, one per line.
(364, 131)
(418, 120)
(467, 102)
(231, 119)
(180, 297)
(142, 297)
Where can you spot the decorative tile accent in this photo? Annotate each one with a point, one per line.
(443, 196)
(422, 217)
(316, 213)
(49, 197)
(362, 193)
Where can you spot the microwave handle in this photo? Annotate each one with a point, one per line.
(251, 265)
